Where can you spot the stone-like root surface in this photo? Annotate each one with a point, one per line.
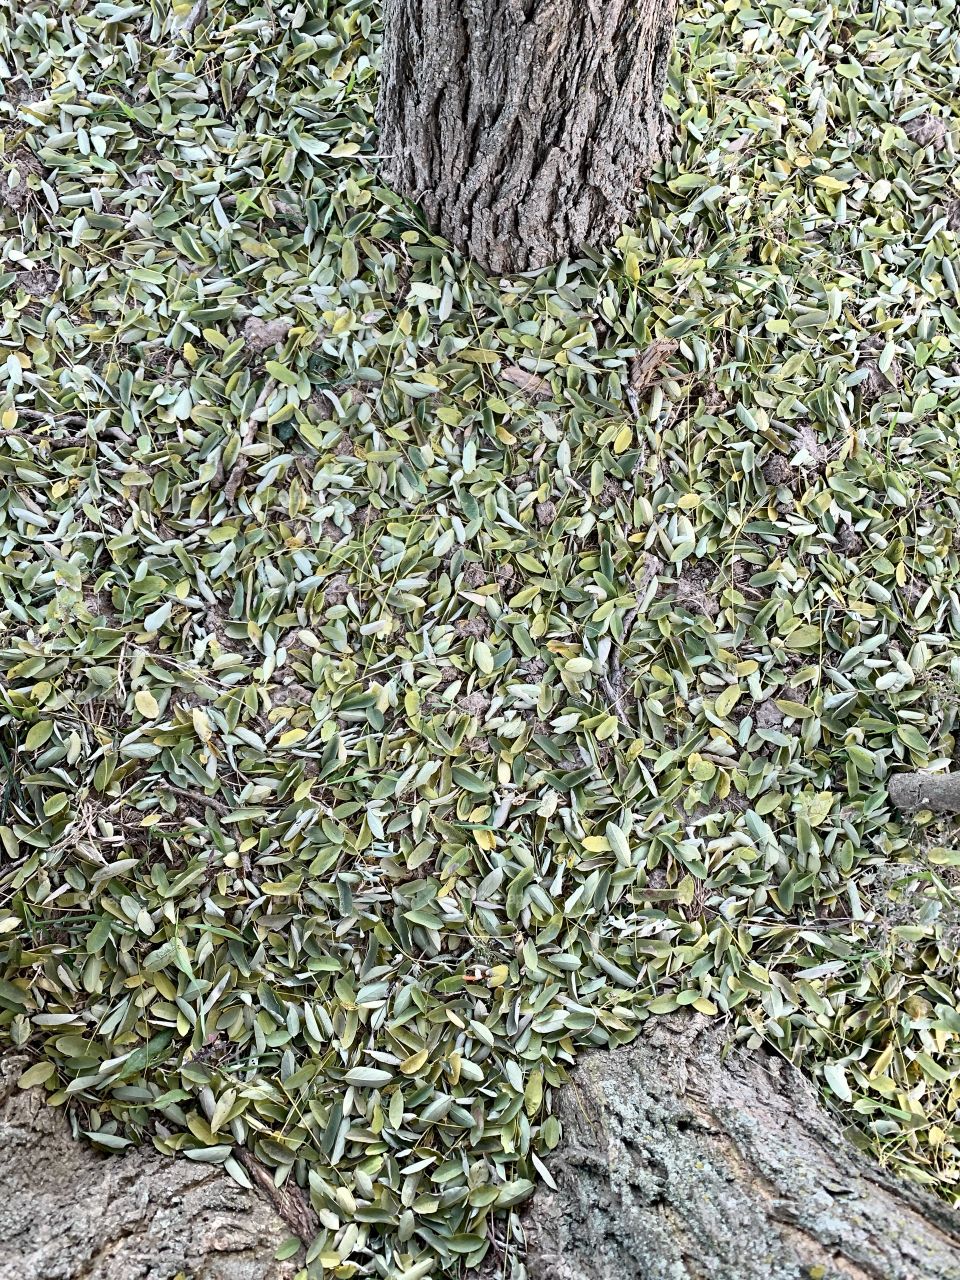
(675, 1165)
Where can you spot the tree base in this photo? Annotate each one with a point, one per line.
(69, 1213)
(676, 1166)
(523, 129)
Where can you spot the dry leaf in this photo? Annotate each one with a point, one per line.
(645, 366)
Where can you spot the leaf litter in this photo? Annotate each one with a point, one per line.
(408, 679)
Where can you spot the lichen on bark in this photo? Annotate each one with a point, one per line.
(523, 127)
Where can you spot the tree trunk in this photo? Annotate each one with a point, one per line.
(68, 1212)
(522, 127)
(676, 1166)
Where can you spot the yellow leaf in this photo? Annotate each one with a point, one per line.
(415, 1062)
(881, 1064)
(607, 728)
(201, 724)
(702, 770)
(146, 704)
(533, 1093)
(623, 440)
(482, 657)
(292, 736)
(578, 666)
(222, 1110)
(727, 700)
(819, 806)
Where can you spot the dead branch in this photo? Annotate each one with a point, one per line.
(939, 792)
(289, 1200)
(235, 479)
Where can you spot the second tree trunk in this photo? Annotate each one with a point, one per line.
(522, 127)
(679, 1165)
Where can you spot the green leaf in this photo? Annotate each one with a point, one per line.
(368, 1077)
(38, 734)
(836, 1078)
(39, 1073)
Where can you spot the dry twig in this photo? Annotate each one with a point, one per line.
(289, 1200)
(235, 479)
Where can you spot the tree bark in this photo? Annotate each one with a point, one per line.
(522, 127)
(939, 792)
(68, 1212)
(675, 1165)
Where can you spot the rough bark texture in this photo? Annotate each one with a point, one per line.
(67, 1213)
(939, 792)
(675, 1166)
(522, 127)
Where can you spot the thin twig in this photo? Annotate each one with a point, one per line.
(230, 200)
(235, 479)
(58, 442)
(7, 870)
(210, 801)
(611, 680)
(42, 415)
(66, 419)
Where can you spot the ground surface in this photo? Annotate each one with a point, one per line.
(409, 680)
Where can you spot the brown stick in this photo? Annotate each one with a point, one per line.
(939, 792)
(289, 1200)
(211, 802)
(235, 479)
